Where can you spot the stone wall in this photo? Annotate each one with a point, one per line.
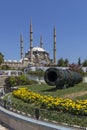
(2, 79)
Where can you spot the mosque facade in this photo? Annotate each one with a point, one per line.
(35, 56)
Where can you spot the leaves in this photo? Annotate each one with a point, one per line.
(1, 58)
(78, 107)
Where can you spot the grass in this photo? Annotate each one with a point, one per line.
(81, 97)
(44, 89)
(59, 117)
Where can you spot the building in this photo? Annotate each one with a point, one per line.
(35, 56)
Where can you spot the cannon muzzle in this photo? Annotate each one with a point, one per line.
(60, 78)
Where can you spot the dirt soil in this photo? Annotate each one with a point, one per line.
(73, 95)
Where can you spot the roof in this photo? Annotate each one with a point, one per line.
(25, 58)
(38, 49)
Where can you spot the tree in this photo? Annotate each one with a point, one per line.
(84, 63)
(5, 67)
(61, 62)
(76, 67)
(79, 61)
(66, 62)
(1, 58)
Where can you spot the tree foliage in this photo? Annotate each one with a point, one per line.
(76, 67)
(18, 80)
(84, 64)
(1, 58)
(79, 61)
(5, 67)
(63, 63)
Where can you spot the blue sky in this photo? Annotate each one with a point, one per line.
(69, 17)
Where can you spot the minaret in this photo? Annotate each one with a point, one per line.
(31, 42)
(54, 48)
(41, 42)
(21, 46)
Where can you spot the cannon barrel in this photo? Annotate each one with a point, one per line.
(60, 78)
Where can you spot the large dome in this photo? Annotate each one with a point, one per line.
(38, 49)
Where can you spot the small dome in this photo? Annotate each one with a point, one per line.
(14, 60)
(20, 60)
(38, 49)
(25, 59)
(9, 60)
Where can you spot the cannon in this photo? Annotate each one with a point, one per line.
(62, 78)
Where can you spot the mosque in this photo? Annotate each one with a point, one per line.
(35, 56)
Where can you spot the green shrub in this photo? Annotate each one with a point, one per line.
(5, 67)
(37, 72)
(32, 82)
(11, 81)
(23, 80)
(18, 80)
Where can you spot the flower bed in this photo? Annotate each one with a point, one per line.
(78, 107)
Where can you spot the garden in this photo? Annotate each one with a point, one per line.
(53, 104)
